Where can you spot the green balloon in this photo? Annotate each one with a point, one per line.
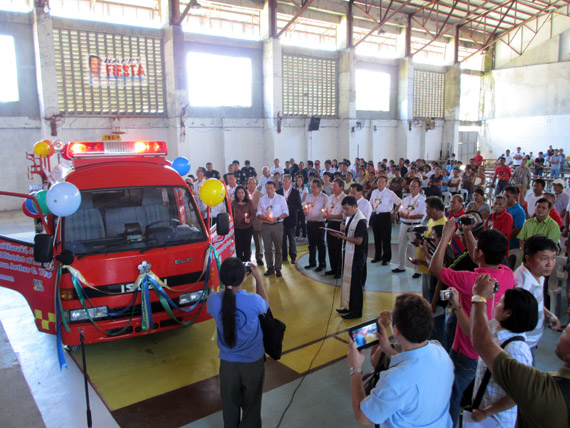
(41, 197)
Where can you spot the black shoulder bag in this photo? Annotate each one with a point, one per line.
(273, 334)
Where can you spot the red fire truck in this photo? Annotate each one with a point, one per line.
(137, 257)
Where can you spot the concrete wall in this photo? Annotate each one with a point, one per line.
(258, 134)
(526, 106)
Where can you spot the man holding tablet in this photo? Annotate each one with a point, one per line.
(411, 392)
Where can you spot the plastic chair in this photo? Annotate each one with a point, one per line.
(446, 198)
(515, 258)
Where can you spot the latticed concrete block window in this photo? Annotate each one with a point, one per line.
(309, 86)
(429, 94)
(103, 73)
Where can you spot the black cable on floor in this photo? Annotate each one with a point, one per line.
(314, 358)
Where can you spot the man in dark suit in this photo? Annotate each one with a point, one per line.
(293, 199)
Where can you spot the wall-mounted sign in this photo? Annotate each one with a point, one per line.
(106, 71)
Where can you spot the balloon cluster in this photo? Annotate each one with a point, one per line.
(212, 192)
(62, 199)
(44, 148)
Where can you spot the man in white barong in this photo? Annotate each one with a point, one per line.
(355, 237)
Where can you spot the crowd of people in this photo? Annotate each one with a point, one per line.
(475, 222)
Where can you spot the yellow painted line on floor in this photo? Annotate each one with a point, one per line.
(132, 370)
(300, 359)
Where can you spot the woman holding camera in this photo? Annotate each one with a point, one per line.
(240, 340)
(244, 213)
(515, 314)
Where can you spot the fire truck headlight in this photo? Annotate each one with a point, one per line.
(189, 298)
(77, 315)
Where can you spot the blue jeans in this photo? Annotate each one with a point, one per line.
(465, 369)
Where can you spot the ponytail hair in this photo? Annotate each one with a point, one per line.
(232, 272)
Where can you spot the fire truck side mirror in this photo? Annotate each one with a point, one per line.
(43, 248)
(223, 224)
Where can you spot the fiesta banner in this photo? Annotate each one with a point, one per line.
(109, 71)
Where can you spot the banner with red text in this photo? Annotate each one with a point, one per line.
(109, 71)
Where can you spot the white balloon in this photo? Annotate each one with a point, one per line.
(63, 199)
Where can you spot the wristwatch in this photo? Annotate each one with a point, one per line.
(478, 299)
(352, 370)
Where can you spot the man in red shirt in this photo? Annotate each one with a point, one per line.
(553, 214)
(478, 159)
(455, 211)
(500, 219)
(487, 252)
(503, 173)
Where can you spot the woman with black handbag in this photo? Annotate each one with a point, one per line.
(240, 340)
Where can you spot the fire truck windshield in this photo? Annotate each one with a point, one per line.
(132, 219)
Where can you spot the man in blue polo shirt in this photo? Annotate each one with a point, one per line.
(414, 391)
(517, 212)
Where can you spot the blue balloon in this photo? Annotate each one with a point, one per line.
(31, 206)
(181, 165)
(63, 199)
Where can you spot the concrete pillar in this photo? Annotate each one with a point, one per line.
(405, 105)
(45, 68)
(348, 146)
(272, 96)
(176, 93)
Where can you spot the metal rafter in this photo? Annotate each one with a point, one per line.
(305, 6)
(385, 19)
(439, 33)
(506, 33)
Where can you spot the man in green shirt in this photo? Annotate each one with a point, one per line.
(541, 224)
(537, 394)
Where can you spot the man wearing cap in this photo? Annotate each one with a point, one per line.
(503, 173)
(562, 198)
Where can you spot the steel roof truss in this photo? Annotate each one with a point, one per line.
(306, 4)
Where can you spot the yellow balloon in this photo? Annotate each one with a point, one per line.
(42, 148)
(212, 192)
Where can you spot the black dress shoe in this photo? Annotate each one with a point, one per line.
(269, 272)
(416, 275)
(349, 316)
(278, 273)
(310, 266)
(398, 270)
(375, 260)
(260, 263)
(342, 311)
(329, 272)
(320, 269)
(384, 263)
(337, 276)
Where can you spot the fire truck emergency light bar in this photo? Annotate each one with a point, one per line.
(84, 149)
